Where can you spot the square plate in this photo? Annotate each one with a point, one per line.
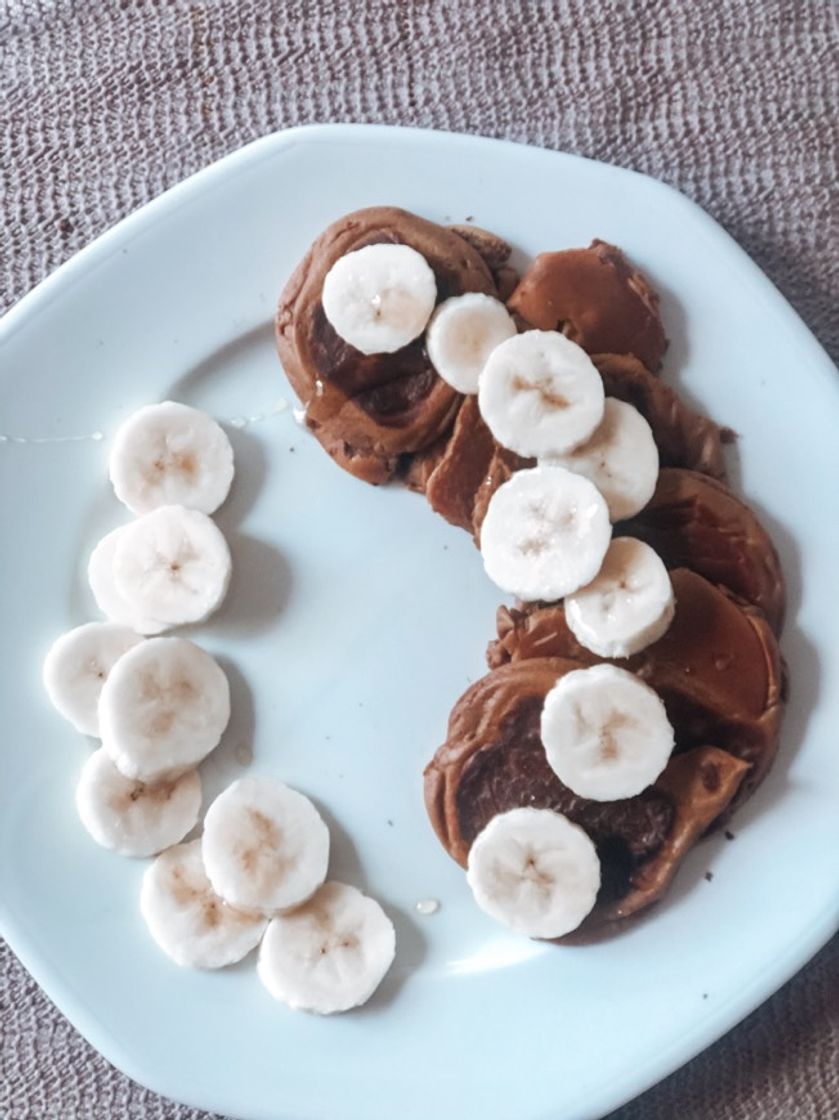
(355, 620)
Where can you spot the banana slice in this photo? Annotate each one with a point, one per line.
(330, 954)
(265, 845)
(100, 576)
(462, 333)
(172, 564)
(163, 708)
(379, 298)
(606, 733)
(545, 533)
(620, 458)
(170, 454)
(540, 394)
(627, 606)
(77, 667)
(133, 818)
(190, 923)
(534, 871)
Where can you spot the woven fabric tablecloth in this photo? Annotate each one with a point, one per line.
(103, 105)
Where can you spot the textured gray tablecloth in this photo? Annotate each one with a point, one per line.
(736, 102)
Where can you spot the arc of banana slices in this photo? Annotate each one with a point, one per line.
(462, 333)
(133, 818)
(189, 922)
(170, 454)
(172, 564)
(545, 533)
(606, 733)
(265, 845)
(77, 666)
(379, 298)
(534, 871)
(100, 576)
(620, 458)
(163, 708)
(540, 394)
(330, 954)
(627, 606)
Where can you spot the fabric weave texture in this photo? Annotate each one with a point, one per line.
(106, 103)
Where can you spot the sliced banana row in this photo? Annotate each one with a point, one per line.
(161, 711)
(546, 535)
(260, 868)
(538, 392)
(606, 737)
(173, 466)
(160, 706)
(382, 298)
(547, 530)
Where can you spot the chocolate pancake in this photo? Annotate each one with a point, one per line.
(701, 785)
(494, 249)
(693, 521)
(456, 478)
(596, 298)
(496, 252)
(493, 760)
(502, 465)
(717, 668)
(370, 410)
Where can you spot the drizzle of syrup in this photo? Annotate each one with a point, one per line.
(97, 437)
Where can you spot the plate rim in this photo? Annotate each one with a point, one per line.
(625, 1085)
(179, 193)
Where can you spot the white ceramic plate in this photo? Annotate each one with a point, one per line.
(356, 619)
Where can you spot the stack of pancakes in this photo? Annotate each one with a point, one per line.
(717, 669)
